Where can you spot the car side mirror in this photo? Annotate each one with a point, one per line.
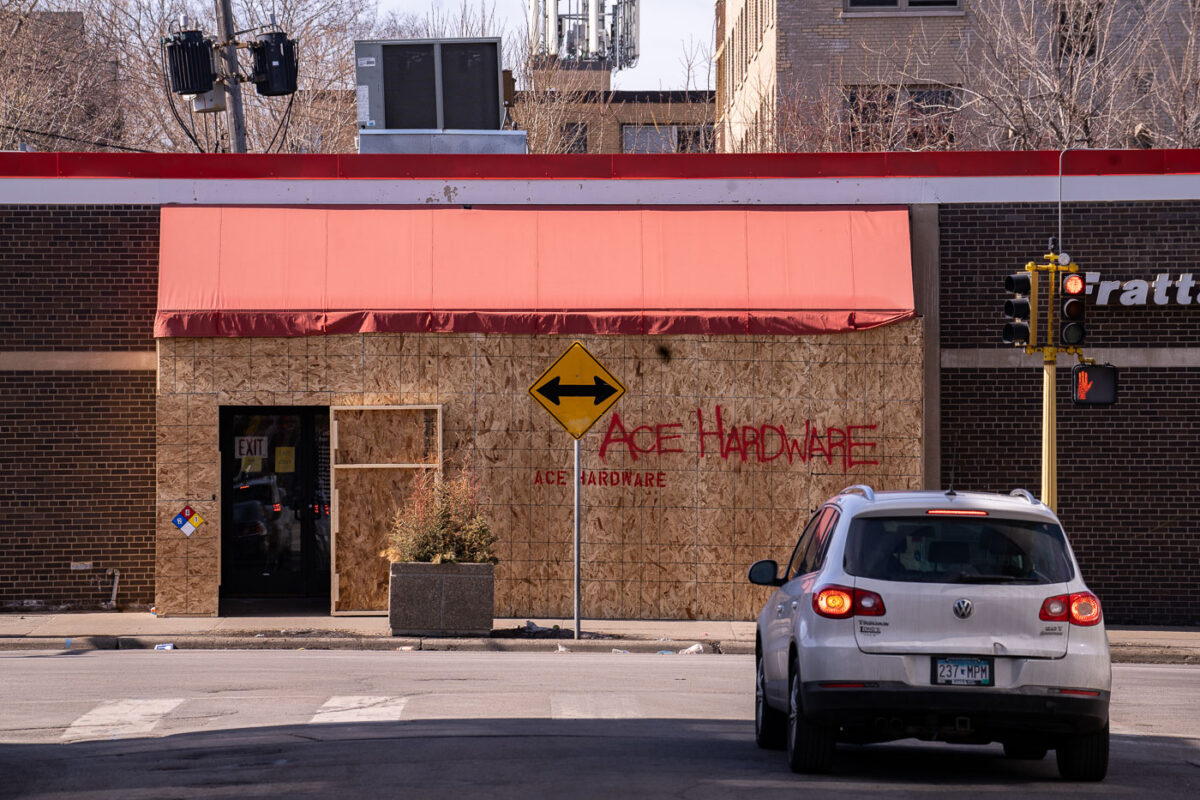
(765, 573)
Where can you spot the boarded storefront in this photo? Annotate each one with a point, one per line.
(770, 358)
(785, 325)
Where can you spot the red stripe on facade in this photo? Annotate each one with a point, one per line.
(207, 166)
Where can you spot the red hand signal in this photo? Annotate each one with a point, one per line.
(1085, 385)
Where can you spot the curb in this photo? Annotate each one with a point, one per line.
(378, 643)
(1142, 654)
(1121, 654)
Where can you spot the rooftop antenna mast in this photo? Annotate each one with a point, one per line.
(591, 32)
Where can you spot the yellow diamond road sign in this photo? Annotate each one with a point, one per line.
(577, 390)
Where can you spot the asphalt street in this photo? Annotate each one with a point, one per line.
(217, 724)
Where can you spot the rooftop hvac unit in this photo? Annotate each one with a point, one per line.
(429, 84)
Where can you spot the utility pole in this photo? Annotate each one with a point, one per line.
(233, 87)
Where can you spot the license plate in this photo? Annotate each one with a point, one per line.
(959, 671)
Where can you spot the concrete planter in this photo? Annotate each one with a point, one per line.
(441, 599)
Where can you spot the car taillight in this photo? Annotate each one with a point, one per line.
(1055, 609)
(1081, 608)
(1085, 609)
(841, 602)
(836, 602)
(868, 604)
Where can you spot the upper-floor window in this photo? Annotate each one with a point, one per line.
(900, 118)
(575, 137)
(1077, 31)
(667, 139)
(898, 5)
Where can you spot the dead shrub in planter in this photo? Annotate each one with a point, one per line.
(441, 524)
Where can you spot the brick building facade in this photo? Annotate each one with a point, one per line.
(885, 75)
(92, 432)
(612, 122)
(776, 55)
(77, 384)
(1124, 471)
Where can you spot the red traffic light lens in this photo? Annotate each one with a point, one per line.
(1073, 284)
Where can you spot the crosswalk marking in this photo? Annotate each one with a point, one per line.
(359, 708)
(119, 719)
(594, 706)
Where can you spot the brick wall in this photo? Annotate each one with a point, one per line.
(1126, 474)
(77, 448)
(78, 454)
(78, 278)
(983, 243)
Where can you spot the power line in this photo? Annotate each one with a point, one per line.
(64, 137)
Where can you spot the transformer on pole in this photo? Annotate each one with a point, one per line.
(204, 68)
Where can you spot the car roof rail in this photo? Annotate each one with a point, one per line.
(1024, 493)
(861, 488)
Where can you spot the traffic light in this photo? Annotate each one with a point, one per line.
(1071, 328)
(1019, 308)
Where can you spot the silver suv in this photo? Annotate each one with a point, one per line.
(957, 617)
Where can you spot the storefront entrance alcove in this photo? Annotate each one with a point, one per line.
(275, 504)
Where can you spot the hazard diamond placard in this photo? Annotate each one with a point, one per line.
(577, 390)
(187, 521)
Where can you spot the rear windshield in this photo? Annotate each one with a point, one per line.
(957, 550)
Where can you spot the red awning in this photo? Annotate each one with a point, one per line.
(284, 271)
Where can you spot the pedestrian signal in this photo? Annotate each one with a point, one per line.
(1094, 384)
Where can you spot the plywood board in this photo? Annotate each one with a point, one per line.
(386, 436)
(677, 503)
(365, 499)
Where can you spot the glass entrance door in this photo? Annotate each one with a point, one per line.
(275, 502)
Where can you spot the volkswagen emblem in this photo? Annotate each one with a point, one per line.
(963, 608)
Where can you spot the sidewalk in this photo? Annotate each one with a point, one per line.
(141, 630)
(136, 630)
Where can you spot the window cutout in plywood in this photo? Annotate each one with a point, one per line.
(371, 436)
(377, 453)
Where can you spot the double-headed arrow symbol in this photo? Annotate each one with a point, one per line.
(554, 391)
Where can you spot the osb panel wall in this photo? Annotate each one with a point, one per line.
(387, 437)
(714, 458)
(376, 437)
(365, 498)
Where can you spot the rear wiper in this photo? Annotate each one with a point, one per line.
(966, 577)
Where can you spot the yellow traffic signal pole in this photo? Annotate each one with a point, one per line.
(1050, 407)
(1049, 353)
(1049, 386)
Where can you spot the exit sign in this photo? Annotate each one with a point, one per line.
(250, 446)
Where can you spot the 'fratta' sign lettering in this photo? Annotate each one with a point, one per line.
(1161, 291)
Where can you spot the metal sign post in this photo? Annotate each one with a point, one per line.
(578, 549)
(576, 390)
